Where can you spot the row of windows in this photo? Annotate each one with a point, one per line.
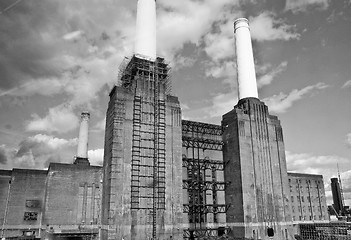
(308, 182)
(302, 198)
(299, 188)
(301, 218)
(309, 208)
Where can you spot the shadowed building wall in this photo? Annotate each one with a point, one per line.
(337, 197)
(255, 168)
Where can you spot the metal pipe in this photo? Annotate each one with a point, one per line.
(6, 208)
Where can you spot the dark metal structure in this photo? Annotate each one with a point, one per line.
(201, 181)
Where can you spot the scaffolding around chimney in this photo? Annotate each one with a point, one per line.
(130, 65)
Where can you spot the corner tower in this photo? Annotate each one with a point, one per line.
(254, 156)
(142, 191)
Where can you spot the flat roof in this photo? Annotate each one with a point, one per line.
(294, 174)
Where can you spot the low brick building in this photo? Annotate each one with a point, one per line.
(307, 200)
(65, 199)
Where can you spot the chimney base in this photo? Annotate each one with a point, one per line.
(82, 161)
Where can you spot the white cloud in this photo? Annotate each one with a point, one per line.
(185, 21)
(45, 87)
(348, 139)
(184, 106)
(323, 165)
(59, 119)
(267, 78)
(347, 84)
(305, 162)
(37, 152)
(281, 102)
(219, 44)
(181, 61)
(265, 27)
(73, 35)
(96, 156)
(303, 5)
(224, 70)
(53, 142)
(221, 103)
(100, 125)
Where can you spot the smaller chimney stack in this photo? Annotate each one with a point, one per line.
(247, 85)
(82, 149)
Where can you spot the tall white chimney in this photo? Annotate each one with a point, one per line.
(145, 37)
(247, 85)
(82, 150)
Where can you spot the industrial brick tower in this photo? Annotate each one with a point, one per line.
(254, 157)
(142, 189)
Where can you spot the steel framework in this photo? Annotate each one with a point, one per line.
(201, 135)
(201, 181)
(325, 231)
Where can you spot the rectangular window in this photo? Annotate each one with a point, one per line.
(30, 216)
(302, 199)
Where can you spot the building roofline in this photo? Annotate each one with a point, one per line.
(304, 174)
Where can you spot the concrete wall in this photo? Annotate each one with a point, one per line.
(256, 169)
(308, 202)
(126, 215)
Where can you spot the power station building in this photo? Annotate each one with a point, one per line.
(164, 177)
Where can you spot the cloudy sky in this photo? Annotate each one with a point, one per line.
(59, 57)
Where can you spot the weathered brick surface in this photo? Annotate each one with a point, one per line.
(119, 220)
(256, 169)
(69, 194)
(25, 184)
(5, 179)
(307, 200)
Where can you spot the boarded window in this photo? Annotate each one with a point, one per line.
(32, 203)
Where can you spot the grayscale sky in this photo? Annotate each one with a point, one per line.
(58, 58)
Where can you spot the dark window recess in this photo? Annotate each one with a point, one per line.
(221, 231)
(270, 232)
(32, 203)
(192, 237)
(30, 216)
